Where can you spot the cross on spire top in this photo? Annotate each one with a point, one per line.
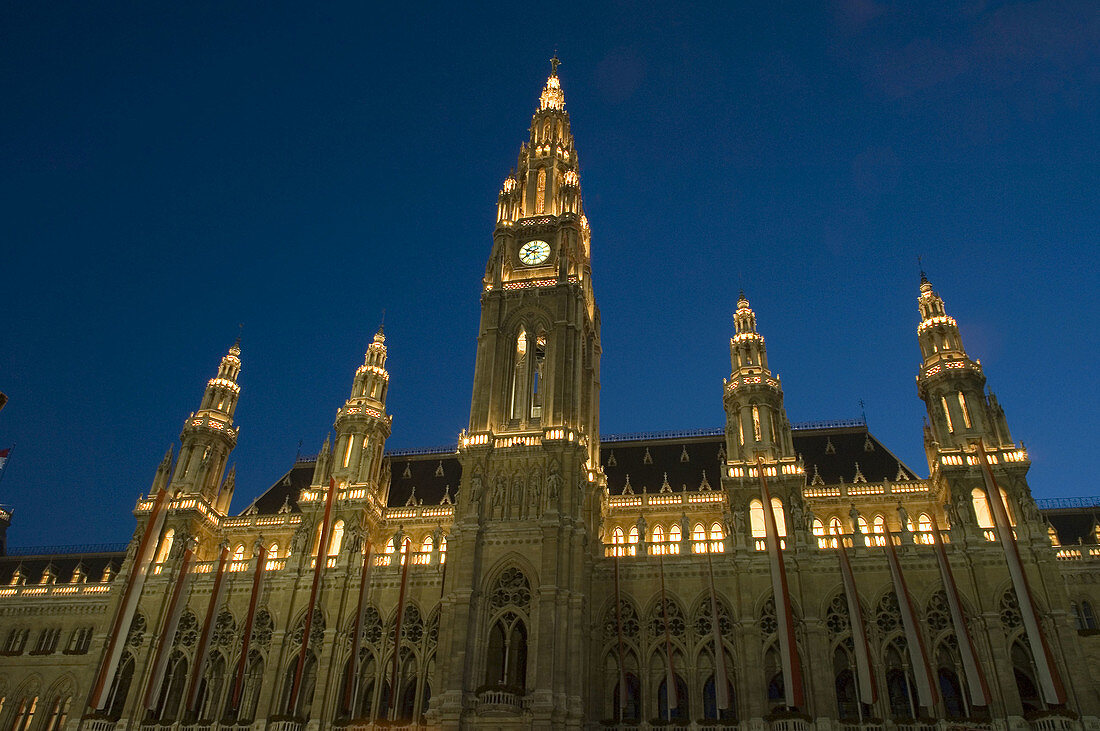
(554, 63)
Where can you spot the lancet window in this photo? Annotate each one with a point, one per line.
(506, 654)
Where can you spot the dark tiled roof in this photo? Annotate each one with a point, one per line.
(63, 564)
(834, 450)
(1073, 526)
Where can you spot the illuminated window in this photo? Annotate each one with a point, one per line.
(166, 545)
(347, 450)
(337, 538)
(443, 549)
(818, 527)
(633, 538)
(880, 524)
(658, 534)
(740, 432)
(238, 552)
(389, 546)
(780, 521)
(983, 510)
(698, 533)
(947, 414)
(835, 527)
(863, 525)
(540, 192)
(965, 410)
(674, 534)
(717, 535)
(519, 380)
(756, 422)
(924, 523)
(428, 544)
(536, 376)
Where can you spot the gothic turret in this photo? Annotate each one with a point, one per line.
(951, 384)
(756, 422)
(362, 424)
(208, 434)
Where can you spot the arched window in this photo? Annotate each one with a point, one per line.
(674, 534)
(250, 690)
(633, 537)
(25, 715)
(711, 711)
(756, 519)
(835, 527)
(428, 544)
(951, 692)
(273, 550)
(166, 545)
(780, 521)
(924, 523)
(618, 538)
(210, 687)
(519, 378)
(658, 534)
(773, 676)
(863, 528)
(699, 539)
(1024, 672)
(120, 687)
(506, 658)
(965, 410)
(899, 684)
(59, 713)
(537, 371)
(305, 692)
(847, 696)
(717, 538)
(443, 549)
(818, 527)
(170, 699)
(238, 552)
(337, 538)
(389, 546)
(1088, 615)
(679, 712)
(633, 709)
(983, 511)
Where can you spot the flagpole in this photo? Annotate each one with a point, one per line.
(1054, 692)
(253, 601)
(7, 458)
(721, 684)
(350, 691)
(792, 668)
(208, 626)
(168, 631)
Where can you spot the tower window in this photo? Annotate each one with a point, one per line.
(947, 414)
(537, 374)
(756, 422)
(540, 192)
(965, 410)
(519, 380)
(347, 450)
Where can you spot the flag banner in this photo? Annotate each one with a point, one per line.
(135, 582)
(4, 457)
(672, 694)
(168, 632)
(407, 544)
(792, 668)
(318, 569)
(350, 693)
(721, 684)
(250, 618)
(975, 678)
(1050, 681)
(861, 649)
(216, 595)
(619, 632)
(914, 641)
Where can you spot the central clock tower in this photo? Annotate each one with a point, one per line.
(528, 505)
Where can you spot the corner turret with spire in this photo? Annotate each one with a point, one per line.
(209, 434)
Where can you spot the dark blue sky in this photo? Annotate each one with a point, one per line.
(172, 169)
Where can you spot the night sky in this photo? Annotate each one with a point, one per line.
(170, 170)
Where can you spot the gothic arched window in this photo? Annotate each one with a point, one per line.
(506, 654)
(337, 538)
(120, 686)
(632, 709)
(166, 545)
(519, 377)
(537, 375)
(170, 699)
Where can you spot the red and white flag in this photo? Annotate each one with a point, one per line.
(4, 457)
(861, 648)
(914, 641)
(1050, 681)
(792, 667)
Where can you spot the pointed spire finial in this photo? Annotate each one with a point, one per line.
(380, 336)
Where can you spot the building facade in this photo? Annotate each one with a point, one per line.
(765, 575)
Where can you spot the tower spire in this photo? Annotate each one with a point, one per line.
(208, 434)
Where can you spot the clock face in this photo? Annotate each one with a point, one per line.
(534, 252)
